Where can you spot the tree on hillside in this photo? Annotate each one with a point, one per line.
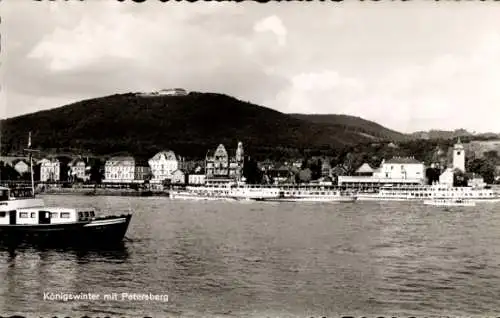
(432, 175)
(96, 171)
(459, 178)
(7, 172)
(305, 175)
(37, 172)
(491, 154)
(315, 167)
(251, 171)
(485, 167)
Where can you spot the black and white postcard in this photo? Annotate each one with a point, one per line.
(249, 159)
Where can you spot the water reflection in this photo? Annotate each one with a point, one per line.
(27, 273)
(262, 260)
(116, 253)
(195, 257)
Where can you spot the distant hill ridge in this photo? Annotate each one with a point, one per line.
(189, 125)
(450, 134)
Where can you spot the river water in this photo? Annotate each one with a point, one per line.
(233, 259)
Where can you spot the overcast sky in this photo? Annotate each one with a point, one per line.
(406, 65)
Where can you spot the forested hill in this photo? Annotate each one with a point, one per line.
(189, 125)
(355, 124)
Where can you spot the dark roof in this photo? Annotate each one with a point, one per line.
(403, 160)
(141, 162)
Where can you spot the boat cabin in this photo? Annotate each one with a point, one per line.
(20, 207)
(44, 215)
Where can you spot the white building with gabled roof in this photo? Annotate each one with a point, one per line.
(397, 170)
(163, 165)
(402, 168)
(365, 169)
(50, 170)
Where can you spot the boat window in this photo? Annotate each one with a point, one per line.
(65, 215)
(33, 215)
(23, 214)
(92, 213)
(80, 215)
(4, 195)
(86, 214)
(3, 214)
(54, 215)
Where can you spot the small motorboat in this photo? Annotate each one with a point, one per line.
(26, 219)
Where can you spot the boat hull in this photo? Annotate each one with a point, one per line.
(385, 198)
(104, 231)
(200, 197)
(306, 199)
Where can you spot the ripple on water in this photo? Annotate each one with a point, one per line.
(220, 259)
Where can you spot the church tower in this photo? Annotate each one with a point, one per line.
(239, 157)
(459, 156)
(239, 152)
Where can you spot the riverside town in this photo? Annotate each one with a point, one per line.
(457, 172)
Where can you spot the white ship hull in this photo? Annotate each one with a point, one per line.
(434, 192)
(364, 197)
(264, 193)
(310, 199)
(199, 196)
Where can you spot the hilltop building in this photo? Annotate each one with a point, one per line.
(165, 92)
(173, 92)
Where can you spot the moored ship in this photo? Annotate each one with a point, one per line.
(26, 219)
(297, 193)
(311, 194)
(427, 192)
